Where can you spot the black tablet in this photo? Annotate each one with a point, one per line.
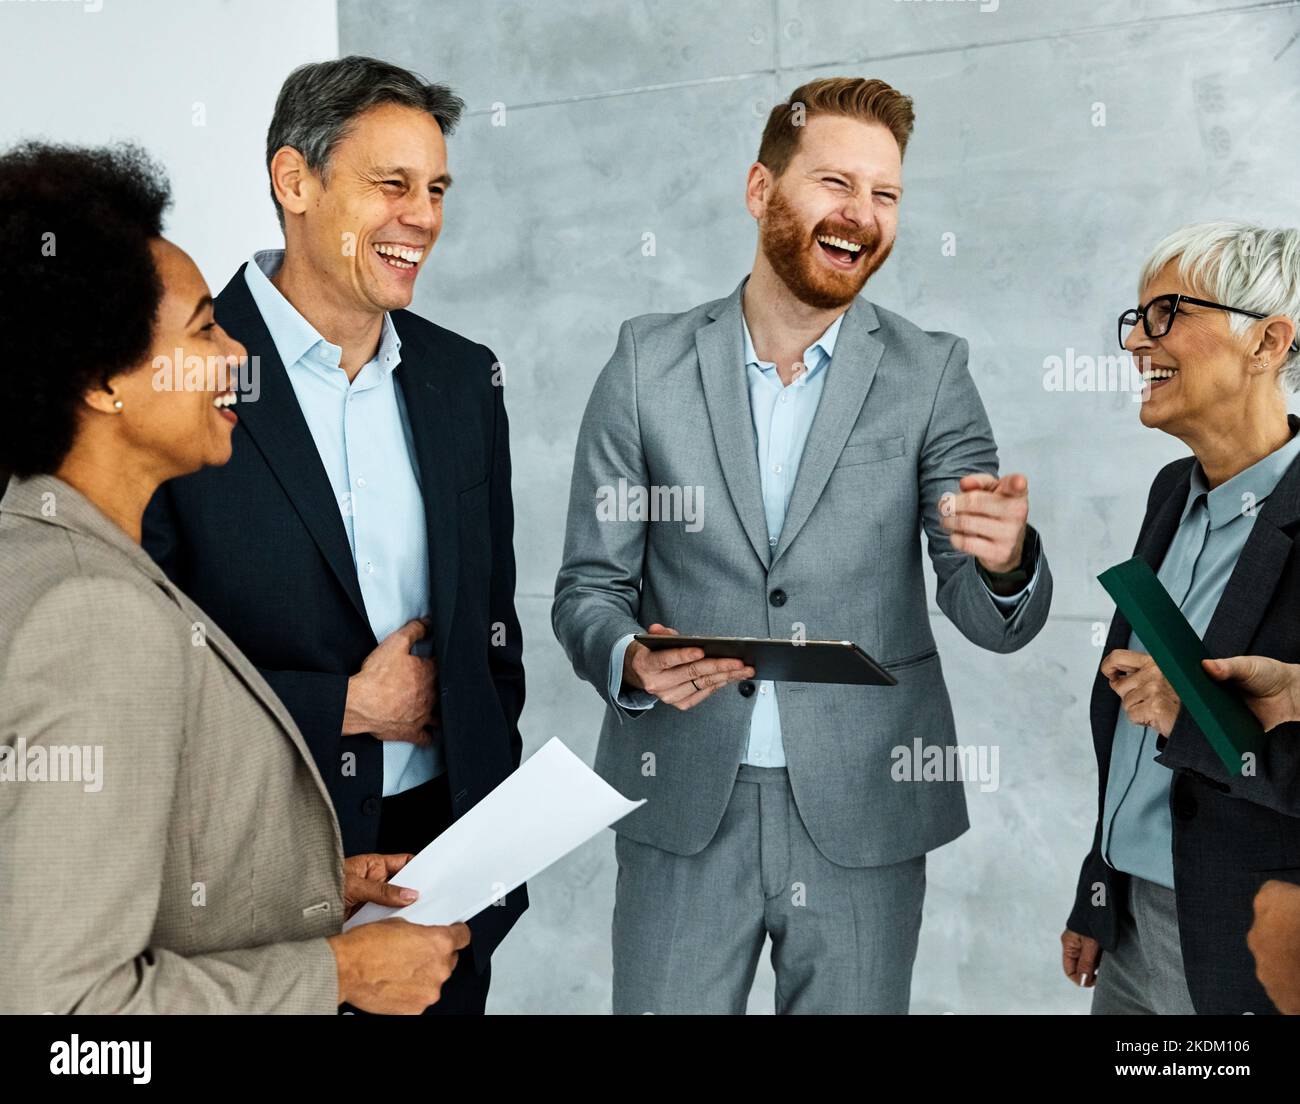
(780, 660)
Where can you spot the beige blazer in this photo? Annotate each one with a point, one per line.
(166, 844)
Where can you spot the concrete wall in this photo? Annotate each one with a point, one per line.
(635, 117)
(193, 83)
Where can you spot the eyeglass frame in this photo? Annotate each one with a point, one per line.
(1140, 315)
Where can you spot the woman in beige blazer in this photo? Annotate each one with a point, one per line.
(166, 844)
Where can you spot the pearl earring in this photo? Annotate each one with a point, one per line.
(117, 404)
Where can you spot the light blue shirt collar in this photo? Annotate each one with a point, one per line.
(826, 343)
(294, 337)
(1246, 490)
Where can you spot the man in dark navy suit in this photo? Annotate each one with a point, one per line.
(358, 546)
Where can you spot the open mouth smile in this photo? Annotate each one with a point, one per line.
(400, 258)
(841, 252)
(1156, 376)
(223, 403)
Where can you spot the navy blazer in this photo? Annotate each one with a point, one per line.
(260, 545)
(1230, 835)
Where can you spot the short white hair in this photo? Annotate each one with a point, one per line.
(1239, 265)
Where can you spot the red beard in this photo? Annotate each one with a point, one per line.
(788, 251)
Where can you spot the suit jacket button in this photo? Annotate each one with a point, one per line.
(777, 597)
(370, 806)
(746, 689)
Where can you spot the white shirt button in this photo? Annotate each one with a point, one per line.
(776, 468)
(361, 481)
(370, 568)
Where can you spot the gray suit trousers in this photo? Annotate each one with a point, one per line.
(689, 929)
(1143, 975)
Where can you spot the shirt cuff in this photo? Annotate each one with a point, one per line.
(1009, 604)
(635, 700)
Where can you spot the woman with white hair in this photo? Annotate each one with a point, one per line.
(1182, 845)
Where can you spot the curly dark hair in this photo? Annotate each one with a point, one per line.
(79, 291)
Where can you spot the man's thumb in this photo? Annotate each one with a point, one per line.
(408, 634)
(371, 891)
(978, 481)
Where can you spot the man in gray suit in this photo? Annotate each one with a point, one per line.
(822, 432)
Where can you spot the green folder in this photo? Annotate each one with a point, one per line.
(1230, 727)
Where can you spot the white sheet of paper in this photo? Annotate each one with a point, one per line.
(549, 806)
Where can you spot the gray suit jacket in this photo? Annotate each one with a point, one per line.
(898, 424)
(205, 872)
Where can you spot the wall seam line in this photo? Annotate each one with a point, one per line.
(753, 74)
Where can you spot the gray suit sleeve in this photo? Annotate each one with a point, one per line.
(959, 441)
(96, 663)
(598, 588)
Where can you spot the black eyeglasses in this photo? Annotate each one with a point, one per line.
(1158, 316)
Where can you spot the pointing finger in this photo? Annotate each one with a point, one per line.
(1014, 485)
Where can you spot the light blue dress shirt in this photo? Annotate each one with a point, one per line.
(363, 436)
(1137, 834)
(782, 416)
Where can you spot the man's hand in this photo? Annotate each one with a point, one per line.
(365, 878)
(1080, 957)
(1147, 698)
(1271, 687)
(394, 967)
(1274, 940)
(678, 676)
(393, 696)
(988, 519)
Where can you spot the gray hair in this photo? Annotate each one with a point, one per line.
(1239, 265)
(319, 101)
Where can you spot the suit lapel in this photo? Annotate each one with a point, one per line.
(1250, 588)
(720, 347)
(1153, 542)
(276, 425)
(78, 514)
(424, 385)
(1158, 533)
(1255, 576)
(849, 377)
(1258, 569)
(243, 670)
